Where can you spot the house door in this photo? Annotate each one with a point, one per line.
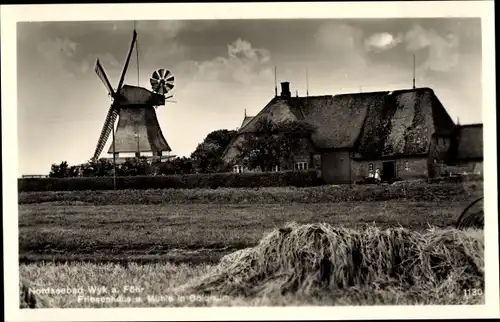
(388, 170)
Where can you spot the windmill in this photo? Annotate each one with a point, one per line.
(138, 129)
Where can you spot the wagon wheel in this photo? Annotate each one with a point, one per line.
(471, 219)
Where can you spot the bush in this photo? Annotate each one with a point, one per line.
(414, 191)
(189, 181)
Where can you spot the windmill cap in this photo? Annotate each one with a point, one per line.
(134, 95)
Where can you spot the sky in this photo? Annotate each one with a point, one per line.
(224, 67)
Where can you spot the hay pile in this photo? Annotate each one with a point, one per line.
(320, 259)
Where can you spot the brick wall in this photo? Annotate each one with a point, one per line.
(360, 169)
(472, 167)
(335, 167)
(417, 168)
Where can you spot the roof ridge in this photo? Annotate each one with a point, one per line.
(387, 91)
(470, 125)
(315, 96)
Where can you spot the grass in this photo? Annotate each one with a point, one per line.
(433, 267)
(170, 243)
(407, 190)
(196, 232)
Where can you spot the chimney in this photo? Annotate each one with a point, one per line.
(285, 89)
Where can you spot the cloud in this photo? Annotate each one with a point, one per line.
(58, 53)
(108, 60)
(343, 43)
(169, 29)
(243, 64)
(66, 58)
(85, 66)
(443, 51)
(58, 47)
(241, 50)
(164, 51)
(382, 41)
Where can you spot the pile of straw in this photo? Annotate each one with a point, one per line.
(311, 259)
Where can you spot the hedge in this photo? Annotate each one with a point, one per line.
(411, 191)
(189, 181)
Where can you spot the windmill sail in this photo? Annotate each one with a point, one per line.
(122, 78)
(99, 70)
(108, 126)
(109, 122)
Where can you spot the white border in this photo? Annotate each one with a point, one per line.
(12, 14)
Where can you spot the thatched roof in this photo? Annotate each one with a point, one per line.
(470, 142)
(279, 109)
(338, 119)
(402, 123)
(376, 124)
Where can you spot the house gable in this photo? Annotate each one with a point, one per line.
(470, 142)
(246, 120)
(277, 110)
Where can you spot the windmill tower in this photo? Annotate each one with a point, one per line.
(138, 129)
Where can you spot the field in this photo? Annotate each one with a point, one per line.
(159, 241)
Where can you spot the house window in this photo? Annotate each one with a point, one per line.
(275, 168)
(238, 169)
(406, 165)
(299, 166)
(317, 161)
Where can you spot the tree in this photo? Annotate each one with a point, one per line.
(59, 170)
(103, 167)
(273, 144)
(175, 166)
(133, 167)
(74, 171)
(207, 157)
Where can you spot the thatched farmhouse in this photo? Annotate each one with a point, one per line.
(404, 133)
